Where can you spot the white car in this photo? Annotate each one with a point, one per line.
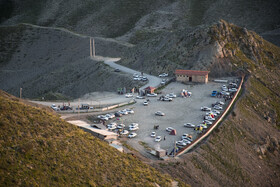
(186, 141)
(128, 95)
(220, 103)
(158, 139)
(133, 125)
(124, 132)
(217, 107)
(112, 124)
(225, 93)
(163, 75)
(205, 108)
(209, 118)
(152, 95)
(123, 112)
(112, 127)
(207, 122)
(54, 107)
(135, 75)
(133, 128)
(103, 118)
(171, 95)
(136, 78)
(181, 143)
(189, 125)
(121, 126)
(132, 135)
(159, 113)
(145, 103)
(233, 84)
(216, 111)
(232, 90)
(202, 125)
(153, 134)
(187, 137)
(139, 97)
(224, 88)
(129, 111)
(109, 116)
(169, 129)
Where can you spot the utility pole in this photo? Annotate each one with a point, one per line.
(92, 47)
(20, 93)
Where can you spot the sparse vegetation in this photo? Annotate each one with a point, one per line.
(38, 148)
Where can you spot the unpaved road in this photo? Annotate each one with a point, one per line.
(153, 80)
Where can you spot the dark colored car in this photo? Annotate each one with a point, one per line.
(117, 114)
(214, 93)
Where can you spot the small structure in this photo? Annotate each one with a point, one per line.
(160, 153)
(99, 133)
(191, 76)
(150, 90)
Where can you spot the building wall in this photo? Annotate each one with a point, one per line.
(195, 78)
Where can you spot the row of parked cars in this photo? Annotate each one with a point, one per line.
(226, 90)
(120, 113)
(138, 77)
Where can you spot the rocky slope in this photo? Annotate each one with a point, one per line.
(244, 150)
(55, 64)
(38, 148)
(134, 20)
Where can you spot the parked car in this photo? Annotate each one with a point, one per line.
(102, 117)
(216, 111)
(159, 113)
(109, 116)
(211, 113)
(169, 129)
(54, 107)
(187, 136)
(112, 127)
(217, 107)
(232, 84)
(129, 111)
(117, 70)
(152, 95)
(124, 132)
(181, 143)
(205, 108)
(153, 134)
(121, 126)
(133, 128)
(166, 99)
(163, 75)
(225, 93)
(128, 95)
(133, 125)
(123, 112)
(145, 103)
(207, 122)
(189, 125)
(224, 88)
(139, 97)
(118, 114)
(214, 93)
(65, 108)
(232, 90)
(171, 95)
(209, 118)
(202, 125)
(187, 142)
(132, 135)
(112, 124)
(220, 103)
(158, 139)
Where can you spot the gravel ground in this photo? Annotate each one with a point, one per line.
(179, 111)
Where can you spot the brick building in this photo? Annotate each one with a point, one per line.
(191, 76)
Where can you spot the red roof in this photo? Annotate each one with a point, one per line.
(191, 72)
(150, 88)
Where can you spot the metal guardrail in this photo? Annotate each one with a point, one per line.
(98, 109)
(205, 134)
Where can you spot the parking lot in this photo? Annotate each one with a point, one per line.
(177, 112)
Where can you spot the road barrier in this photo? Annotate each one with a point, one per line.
(205, 134)
(98, 109)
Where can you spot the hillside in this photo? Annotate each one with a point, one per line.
(134, 18)
(38, 148)
(55, 64)
(244, 150)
